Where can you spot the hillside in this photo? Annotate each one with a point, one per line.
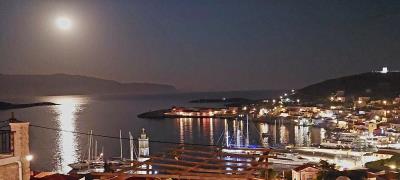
(64, 84)
(366, 84)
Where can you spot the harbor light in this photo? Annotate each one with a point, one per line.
(298, 100)
(29, 157)
(332, 98)
(392, 166)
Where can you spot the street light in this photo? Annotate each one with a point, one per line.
(29, 157)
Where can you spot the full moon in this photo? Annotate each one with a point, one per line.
(63, 23)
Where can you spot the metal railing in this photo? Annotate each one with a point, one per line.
(6, 142)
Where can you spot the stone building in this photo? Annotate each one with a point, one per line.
(14, 151)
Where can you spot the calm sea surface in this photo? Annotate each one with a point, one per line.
(107, 115)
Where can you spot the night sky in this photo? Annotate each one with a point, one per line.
(202, 45)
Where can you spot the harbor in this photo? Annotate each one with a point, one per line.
(236, 143)
(176, 90)
(290, 145)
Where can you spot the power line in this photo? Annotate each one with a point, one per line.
(114, 137)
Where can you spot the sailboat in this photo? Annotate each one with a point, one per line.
(121, 160)
(94, 159)
(132, 148)
(118, 160)
(95, 162)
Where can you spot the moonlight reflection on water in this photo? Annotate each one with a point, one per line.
(67, 149)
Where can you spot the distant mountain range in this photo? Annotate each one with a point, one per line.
(64, 84)
(373, 84)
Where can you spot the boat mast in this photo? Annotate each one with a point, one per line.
(95, 150)
(90, 145)
(247, 130)
(120, 142)
(226, 133)
(102, 151)
(131, 145)
(276, 129)
(238, 143)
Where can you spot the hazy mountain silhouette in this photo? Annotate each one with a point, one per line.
(371, 84)
(64, 84)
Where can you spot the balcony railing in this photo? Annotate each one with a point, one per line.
(6, 142)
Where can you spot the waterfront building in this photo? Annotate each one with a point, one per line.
(396, 100)
(341, 124)
(338, 97)
(14, 151)
(339, 93)
(395, 124)
(360, 103)
(372, 125)
(305, 172)
(364, 98)
(198, 112)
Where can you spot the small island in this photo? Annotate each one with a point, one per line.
(7, 106)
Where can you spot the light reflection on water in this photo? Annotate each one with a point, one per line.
(67, 148)
(234, 133)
